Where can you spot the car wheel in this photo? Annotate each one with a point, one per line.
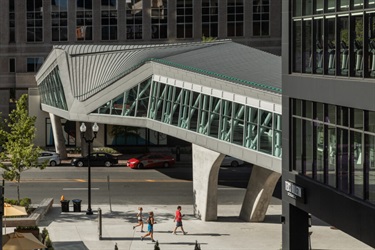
(80, 164)
(234, 164)
(107, 164)
(140, 166)
(52, 163)
(166, 164)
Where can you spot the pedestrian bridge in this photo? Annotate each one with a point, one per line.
(223, 97)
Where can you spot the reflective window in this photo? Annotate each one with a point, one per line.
(371, 45)
(307, 46)
(210, 18)
(331, 6)
(235, 17)
(330, 46)
(134, 20)
(370, 147)
(357, 45)
(12, 65)
(51, 90)
(357, 4)
(84, 20)
(261, 18)
(59, 20)
(343, 60)
(34, 20)
(184, 18)
(338, 150)
(307, 7)
(109, 20)
(297, 48)
(159, 19)
(343, 5)
(34, 63)
(12, 22)
(318, 6)
(318, 45)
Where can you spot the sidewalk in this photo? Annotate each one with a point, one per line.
(76, 231)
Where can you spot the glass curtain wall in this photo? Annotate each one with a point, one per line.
(333, 37)
(335, 145)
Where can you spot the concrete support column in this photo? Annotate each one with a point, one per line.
(258, 194)
(58, 136)
(206, 165)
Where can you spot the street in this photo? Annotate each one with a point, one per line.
(127, 186)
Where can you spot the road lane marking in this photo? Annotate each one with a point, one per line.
(78, 189)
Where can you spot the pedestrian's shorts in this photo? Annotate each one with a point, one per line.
(179, 224)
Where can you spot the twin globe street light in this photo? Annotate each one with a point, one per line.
(95, 129)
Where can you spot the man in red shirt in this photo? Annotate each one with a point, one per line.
(178, 220)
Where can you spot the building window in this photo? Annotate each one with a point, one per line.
(12, 22)
(261, 18)
(210, 18)
(134, 12)
(59, 20)
(184, 19)
(335, 146)
(159, 19)
(33, 64)
(34, 19)
(84, 20)
(235, 17)
(12, 65)
(109, 20)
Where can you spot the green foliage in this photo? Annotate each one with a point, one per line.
(46, 239)
(207, 39)
(25, 202)
(19, 146)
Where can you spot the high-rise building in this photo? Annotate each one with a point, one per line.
(328, 118)
(30, 28)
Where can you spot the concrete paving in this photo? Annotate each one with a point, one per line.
(76, 230)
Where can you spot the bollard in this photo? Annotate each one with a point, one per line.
(100, 223)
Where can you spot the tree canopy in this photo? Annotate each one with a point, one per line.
(18, 145)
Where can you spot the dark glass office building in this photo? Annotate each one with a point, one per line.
(328, 118)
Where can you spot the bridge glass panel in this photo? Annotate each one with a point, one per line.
(208, 115)
(265, 132)
(238, 123)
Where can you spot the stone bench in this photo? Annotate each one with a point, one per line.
(34, 218)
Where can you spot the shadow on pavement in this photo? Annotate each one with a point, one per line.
(76, 245)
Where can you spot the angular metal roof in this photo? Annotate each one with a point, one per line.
(94, 67)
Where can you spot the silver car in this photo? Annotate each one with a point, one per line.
(52, 158)
(231, 161)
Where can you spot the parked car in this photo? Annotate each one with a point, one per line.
(96, 159)
(52, 158)
(231, 161)
(151, 160)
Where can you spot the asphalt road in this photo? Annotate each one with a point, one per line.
(122, 185)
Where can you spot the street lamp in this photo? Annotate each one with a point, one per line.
(95, 129)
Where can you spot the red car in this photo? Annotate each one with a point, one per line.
(151, 160)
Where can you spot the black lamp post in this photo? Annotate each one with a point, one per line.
(95, 129)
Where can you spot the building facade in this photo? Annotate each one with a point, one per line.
(30, 28)
(329, 112)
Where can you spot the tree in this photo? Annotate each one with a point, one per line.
(18, 147)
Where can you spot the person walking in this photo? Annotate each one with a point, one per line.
(150, 226)
(140, 219)
(178, 219)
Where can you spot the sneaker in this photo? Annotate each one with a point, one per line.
(141, 238)
(185, 233)
(153, 240)
(142, 231)
(133, 227)
(174, 233)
